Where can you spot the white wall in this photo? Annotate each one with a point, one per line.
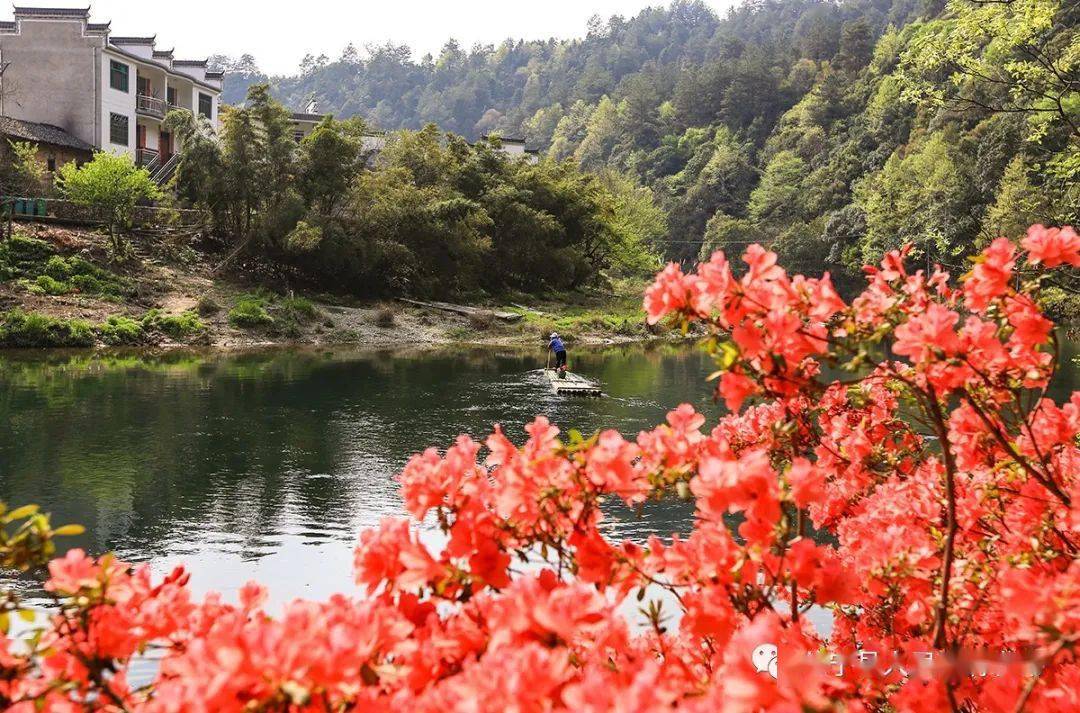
(214, 103)
(51, 70)
(114, 101)
(144, 51)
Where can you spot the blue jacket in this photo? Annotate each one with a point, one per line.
(556, 345)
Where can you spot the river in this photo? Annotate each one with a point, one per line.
(266, 465)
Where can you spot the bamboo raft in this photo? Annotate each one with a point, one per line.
(572, 385)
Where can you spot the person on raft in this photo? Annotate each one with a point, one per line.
(556, 345)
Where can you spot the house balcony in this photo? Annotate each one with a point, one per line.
(147, 105)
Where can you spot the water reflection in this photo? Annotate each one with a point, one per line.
(266, 464)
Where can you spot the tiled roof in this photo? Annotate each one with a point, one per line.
(301, 116)
(7, 24)
(215, 74)
(53, 11)
(40, 133)
(163, 54)
(504, 139)
(133, 40)
(98, 26)
(189, 62)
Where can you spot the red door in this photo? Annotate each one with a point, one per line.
(140, 136)
(165, 147)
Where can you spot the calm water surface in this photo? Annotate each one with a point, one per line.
(266, 465)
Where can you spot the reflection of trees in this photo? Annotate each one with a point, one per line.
(147, 451)
(156, 452)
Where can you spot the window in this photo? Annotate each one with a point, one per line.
(170, 96)
(298, 135)
(52, 164)
(206, 105)
(118, 129)
(118, 75)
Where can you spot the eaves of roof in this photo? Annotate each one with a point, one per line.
(159, 65)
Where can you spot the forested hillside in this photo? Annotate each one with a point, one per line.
(831, 130)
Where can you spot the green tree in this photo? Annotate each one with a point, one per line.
(922, 196)
(329, 160)
(1016, 56)
(777, 198)
(570, 131)
(198, 177)
(276, 163)
(729, 234)
(1018, 205)
(21, 173)
(112, 186)
(601, 132)
(637, 224)
(240, 158)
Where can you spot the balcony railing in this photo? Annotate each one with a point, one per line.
(146, 157)
(151, 106)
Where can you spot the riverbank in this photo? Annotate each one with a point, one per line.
(58, 288)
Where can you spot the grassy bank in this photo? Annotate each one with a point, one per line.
(59, 288)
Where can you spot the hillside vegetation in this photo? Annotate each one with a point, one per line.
(428, 215)
(831, 130)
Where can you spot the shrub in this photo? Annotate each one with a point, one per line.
(481, 321)
(297, 308)
(207, 306)
(30, 329)
(178, 326)
(250, 311)
(118, 330)
(51, 286)
(304, 238)
(60, 275)
(385, 318)
(22, 255)
(290, 314)
(58, 268)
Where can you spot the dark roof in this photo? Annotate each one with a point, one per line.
(190, 62)
(165, 54)
(7, 24)
(301, 116)
(98, 26)
(218, 74)
(53, 11)
(132, 40)
(504, 139)
(41, 134)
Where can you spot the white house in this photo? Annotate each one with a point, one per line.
(515, 147)
(111, 92)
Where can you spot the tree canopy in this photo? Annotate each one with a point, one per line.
(428, 214)
(802, 117)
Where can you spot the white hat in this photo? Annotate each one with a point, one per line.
(554, 335)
